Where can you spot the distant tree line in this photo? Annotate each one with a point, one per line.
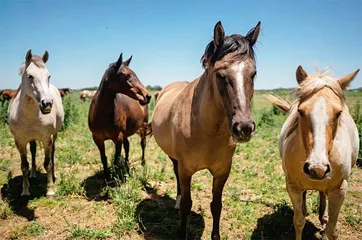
(154, 88)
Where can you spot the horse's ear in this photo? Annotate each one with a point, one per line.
(128, 61)
(45, 56)
(346, 80)
(219, 35)
(301, 74)
(253, 34)
(119, 61)
(28, 56)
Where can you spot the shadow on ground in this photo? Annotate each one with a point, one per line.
(279, 225)
(359, 162)
(11, 193)
(158, 219)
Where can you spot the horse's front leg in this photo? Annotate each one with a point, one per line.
(48, 146)
(296, 196)
(186, 202)
(216, 204)
(21, 146)
(335, 200)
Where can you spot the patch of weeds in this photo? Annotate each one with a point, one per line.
(126, 198)
(69, 155)
(267, 119)
(69, 184)
(197, 186)
(354, 219)
(71, 111)
(78, 232)
(5, 211)
(34, 228)
(357, 117)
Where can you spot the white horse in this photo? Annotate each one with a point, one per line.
(319, 145)
(36, 113)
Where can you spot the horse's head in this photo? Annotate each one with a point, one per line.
(123, 80)
(230, 63)
(321, 105)
(35, 81)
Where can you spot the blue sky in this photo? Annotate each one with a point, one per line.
(167, 38)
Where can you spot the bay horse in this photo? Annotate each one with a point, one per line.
(36, 113)
(318, 144)
(198, 124)
(7, 95)
(63, 91)
(115, 111)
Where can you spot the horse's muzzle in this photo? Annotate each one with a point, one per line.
(46, 106)
(243, 131)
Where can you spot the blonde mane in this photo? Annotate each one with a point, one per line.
(313, 84)
(38, 61)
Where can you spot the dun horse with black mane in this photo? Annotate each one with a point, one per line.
(116, 113)
(198, 124)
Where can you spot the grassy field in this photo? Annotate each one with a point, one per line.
(255, 201)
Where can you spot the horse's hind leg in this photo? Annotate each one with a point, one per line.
(175, 169)
(102, 152)
(48, 146)
(335, 200)
(322, 207)
(296, 196)
(53, 151)
(24, 167)
(33, 161)
(143, 146)
(126, 150)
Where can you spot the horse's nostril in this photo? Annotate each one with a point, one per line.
(148, 97)
(328, 169)
(306, 168)
(254, 127)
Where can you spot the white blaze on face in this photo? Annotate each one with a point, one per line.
(238, 69)
(319, 118)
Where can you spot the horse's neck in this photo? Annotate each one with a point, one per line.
(210, 112)
(105, 102)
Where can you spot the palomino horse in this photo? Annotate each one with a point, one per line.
(198, 124)
(7, 95)
(86, 94)
(116, 116)
(63, 91)
(36, 113)
(318, 144)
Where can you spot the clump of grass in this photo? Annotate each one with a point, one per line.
(34, 228)
(357, 117)
(354, 219)
(71, 111)
(69, 184)
(267, 118)
(4, 114)
(126, 198)
(5, 211)
(78, 232)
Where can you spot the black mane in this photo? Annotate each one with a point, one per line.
(232, 44)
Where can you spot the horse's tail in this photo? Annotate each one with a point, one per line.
(145, 130)
(278, 102)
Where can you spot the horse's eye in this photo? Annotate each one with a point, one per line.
(253, 76)
(30, 76)
(300, 113)
(221, 76)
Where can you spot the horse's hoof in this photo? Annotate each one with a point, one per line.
(25, 193)
(215, 236)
